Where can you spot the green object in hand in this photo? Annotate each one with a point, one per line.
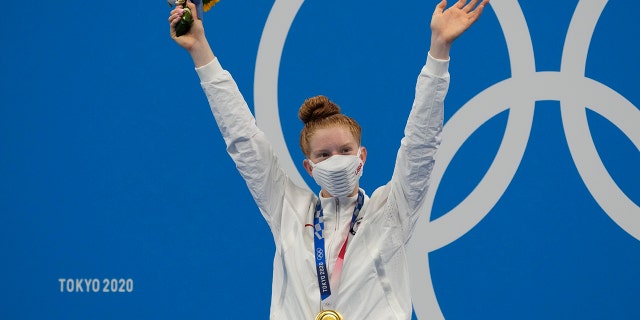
(185, 22)
(183, 26)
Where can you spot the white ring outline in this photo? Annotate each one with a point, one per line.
(582, 92)
(438, 233)
(265, 88)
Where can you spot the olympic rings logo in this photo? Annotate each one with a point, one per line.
(524, 88)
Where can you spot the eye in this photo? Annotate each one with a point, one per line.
(346, 150)
(322, 155)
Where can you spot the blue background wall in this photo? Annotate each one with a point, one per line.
(111, 166)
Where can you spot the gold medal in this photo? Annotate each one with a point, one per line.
(329, 315)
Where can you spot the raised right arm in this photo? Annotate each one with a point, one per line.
(246, 143)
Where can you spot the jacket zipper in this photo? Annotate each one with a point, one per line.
(335, 232)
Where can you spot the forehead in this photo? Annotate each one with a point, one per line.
(330, 138)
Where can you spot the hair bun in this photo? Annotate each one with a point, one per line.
(316, 108)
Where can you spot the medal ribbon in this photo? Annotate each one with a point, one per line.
(320, 252)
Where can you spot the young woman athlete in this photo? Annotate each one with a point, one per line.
(340, 254)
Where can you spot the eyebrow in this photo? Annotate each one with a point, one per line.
(346, 145)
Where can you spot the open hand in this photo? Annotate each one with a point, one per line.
(447, 25)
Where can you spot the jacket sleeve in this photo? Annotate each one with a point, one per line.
(419, 145)
(246, 143)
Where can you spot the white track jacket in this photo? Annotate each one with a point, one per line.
(374, 284)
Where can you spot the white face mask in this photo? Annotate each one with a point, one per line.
(339, 174)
